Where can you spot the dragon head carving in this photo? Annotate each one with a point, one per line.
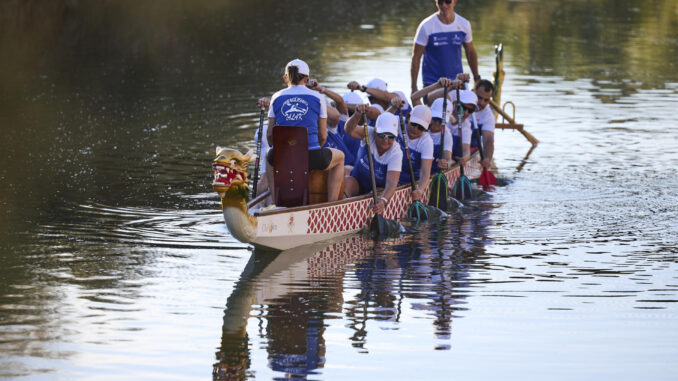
(230, 169)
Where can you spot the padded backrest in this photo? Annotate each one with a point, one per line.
(290, 164)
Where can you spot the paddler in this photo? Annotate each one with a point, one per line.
(485, 119)
(336, 111)
(421, 150)
(461, 150)
(297, 105)
(386, 154)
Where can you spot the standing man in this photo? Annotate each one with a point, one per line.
(439, 40)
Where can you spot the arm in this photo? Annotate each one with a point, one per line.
(444, 163)
(424, 177)
(269, 131)
(322, 131)
(389, 189)
(472, 59)
(434, 91)
(332, 116)
(488, 146)
(417, 53)
(338, 100)
(351, 127)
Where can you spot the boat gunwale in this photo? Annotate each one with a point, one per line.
(331, 203)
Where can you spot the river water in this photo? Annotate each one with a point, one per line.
(115, 262)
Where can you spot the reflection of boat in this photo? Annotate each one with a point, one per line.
(281, 281)
(284, 228)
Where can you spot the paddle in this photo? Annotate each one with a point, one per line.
(462, 187)
(486, 178)
(417, 210)
(256, 163)
(379, 226)
(438, 189)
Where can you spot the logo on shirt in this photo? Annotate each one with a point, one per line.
(294, 108)
(456, 40)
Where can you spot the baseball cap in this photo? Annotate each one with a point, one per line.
(437, 109)
(387, 123)
(407, 108)
(353, 98)
(421, 115)
(377, 83)
(301, 65)
(468, 97)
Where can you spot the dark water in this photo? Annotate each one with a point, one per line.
(115, 263)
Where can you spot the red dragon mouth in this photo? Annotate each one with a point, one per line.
(225, 176)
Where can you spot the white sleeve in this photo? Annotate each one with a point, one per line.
(469, 34)
(448, 140)
(421, 38)
(323, 106)
(395, 162)
(427, 149)
(466, 134)
(271, 113)
(487, 120)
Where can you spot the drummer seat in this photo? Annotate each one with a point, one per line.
(290, 163)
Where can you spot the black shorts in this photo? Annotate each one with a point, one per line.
(318, 159)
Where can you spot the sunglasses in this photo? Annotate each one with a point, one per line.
(445, 1)
(418, 126)
(386, 136)
(470, 110)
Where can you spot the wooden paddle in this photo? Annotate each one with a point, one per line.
(256, 163)
(379, 226)
(417, 210)
(486, 179)
(462, 187)
(438, 189)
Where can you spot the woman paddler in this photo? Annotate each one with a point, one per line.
(421, 151)
(297, 105)
(387, 157)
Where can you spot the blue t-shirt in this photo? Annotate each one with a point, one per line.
(299, 106)
(443, 42)
(336, 140)
(391, 160)
(421, 148)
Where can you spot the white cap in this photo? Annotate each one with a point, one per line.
(377, 83)
(437, 109)
(407, 108)
(421, 115)
(387, 123)
(468, 97)
(352, 98)
(301, 65)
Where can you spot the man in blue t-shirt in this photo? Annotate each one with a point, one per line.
(439, 40)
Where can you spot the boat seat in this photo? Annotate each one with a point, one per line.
(290, 163)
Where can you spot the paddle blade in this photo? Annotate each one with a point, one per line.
(381, 227)
(462, 189)
(438, 192)
(487, 179)
(417, 211)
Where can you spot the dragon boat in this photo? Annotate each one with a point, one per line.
(283, 228)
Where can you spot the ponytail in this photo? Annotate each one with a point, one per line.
(293, 75)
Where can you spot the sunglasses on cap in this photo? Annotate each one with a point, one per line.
(386, 136)
(418, 126)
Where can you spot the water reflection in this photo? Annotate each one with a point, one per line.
(291, 295)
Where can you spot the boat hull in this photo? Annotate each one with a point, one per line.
(286, 228)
